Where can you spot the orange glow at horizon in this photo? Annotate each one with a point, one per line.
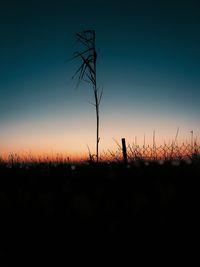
(69, 137)
(63, 150)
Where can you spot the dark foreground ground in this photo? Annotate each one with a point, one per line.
(50, 210)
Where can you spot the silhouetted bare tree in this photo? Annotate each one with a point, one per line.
(87, 72)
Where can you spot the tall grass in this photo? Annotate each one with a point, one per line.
(135, 152)
(155, 153)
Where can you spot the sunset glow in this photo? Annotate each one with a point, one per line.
(149, 73)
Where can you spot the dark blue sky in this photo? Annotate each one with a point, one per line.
(148, 63)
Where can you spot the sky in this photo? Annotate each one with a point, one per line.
(148, 66)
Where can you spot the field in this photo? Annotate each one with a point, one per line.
(45, 201)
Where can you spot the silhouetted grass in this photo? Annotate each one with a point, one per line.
(44, 202)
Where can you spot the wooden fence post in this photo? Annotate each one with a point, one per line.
(124, 151)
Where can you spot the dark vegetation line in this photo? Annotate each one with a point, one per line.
(135, 153)
(42, 203)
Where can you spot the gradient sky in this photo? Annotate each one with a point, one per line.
(148, 64)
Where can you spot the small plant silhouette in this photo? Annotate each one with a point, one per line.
(87, 72)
